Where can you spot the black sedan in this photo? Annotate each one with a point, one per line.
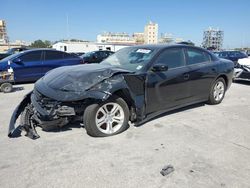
(135, 84)
(95, 56)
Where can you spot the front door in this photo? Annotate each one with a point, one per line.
(167, 89)
(29, 68)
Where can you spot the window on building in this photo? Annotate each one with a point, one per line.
(173, 58)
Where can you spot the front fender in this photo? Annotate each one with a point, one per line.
(13, 131)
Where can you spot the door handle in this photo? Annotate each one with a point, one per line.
(213, 69)
(186, 76)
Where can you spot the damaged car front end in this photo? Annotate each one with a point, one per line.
(242, 70)
(60, 98)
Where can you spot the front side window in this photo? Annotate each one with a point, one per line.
(195, 56)
(31, 56)
(53, 55)
(173, 58)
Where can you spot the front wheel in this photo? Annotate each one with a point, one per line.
(106, 119)
(6, 87)
(217, 91)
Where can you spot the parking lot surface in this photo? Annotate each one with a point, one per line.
(208, 146)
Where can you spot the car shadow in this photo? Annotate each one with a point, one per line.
(17, 88)
(170, 112)
(67, 127)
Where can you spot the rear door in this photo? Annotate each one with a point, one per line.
(167, 89)
(53, 59)
(30, 67)
(202, 71)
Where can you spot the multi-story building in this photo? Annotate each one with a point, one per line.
(119, 38)
(151, 33)
(213, 38)
(3, 33)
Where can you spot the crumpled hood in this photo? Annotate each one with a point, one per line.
(79, 78)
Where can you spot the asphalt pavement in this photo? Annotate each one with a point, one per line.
(208, 146)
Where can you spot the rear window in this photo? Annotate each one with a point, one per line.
(69, 56)
(196, 56)
(53, 55)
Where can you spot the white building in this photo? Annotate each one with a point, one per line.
(118, 38)
(87, 46)
(151, 33)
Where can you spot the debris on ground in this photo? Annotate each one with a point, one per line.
(167, 170)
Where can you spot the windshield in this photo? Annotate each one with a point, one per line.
(130, 58)
(10, 57)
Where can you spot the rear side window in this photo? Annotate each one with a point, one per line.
(32, 56)
(173, 58)
(53, 55)
(197, 56)
(68, 56)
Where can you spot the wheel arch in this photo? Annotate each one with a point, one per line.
(125, 95)
(225, 79)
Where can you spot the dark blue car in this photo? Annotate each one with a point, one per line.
(232, 55)
(30, 65)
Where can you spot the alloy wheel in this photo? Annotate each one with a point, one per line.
(109, 118)
(218, 91)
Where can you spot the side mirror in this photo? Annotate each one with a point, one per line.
(159, 68)
(17, 61)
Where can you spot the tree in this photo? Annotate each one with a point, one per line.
(41, 44)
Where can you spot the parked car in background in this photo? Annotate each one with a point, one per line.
(12, 51)
(78, 53)
(30, 65)
(134, 84)
(96, 56)
(232, 55)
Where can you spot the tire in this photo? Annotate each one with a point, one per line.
(6, 87)
(108, 121)
(217, 91)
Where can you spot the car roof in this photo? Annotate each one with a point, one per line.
(39, 49)
(163, 46)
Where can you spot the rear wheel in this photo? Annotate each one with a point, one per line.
(217, 91)
(6, 87)
(106, 119)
